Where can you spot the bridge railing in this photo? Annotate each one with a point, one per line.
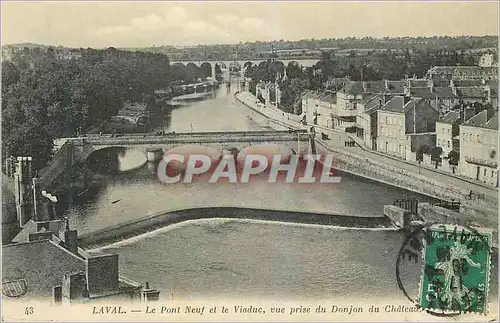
(239, 136)
(153, 134)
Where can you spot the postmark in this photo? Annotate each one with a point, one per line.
(456, 270)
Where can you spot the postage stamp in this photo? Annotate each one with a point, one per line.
(456, 271)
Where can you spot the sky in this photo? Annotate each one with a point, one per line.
(140, 24)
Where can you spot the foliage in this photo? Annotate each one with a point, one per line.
(453, 157)
(312, 48)
(44, 97)
(436, 153)
(424, 149)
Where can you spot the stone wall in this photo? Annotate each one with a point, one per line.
(380, 172)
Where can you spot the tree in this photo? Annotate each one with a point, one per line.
(293, 70)
(453, 157)
(10, 74)
(436, 153)
(424, 149)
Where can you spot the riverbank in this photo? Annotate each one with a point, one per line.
(134, 228)
(375, 167)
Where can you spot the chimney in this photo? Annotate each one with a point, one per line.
(102, 274)
(71, 241)
(148, 294)
(74, 287)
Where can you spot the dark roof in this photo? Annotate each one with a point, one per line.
(418, 83)
(493, 122)
(353, 88)
(395, 86)
(443, 92)
(466, 83)
(472, 92)
(372, 102)
(395, 104)
(479, 119)
(451, 117)
(337, 80)
(421, 92)
(50, 260)
(328, 97)
(463, 70)
(440, 82)
(374, 86)
(494, 88)
(367, 98)
(417, 103)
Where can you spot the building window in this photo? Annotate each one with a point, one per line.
(448, 131)
(386, 120)
(448, 144)
(492, 173)
(478, 139)
(484, 173)
(470, 137)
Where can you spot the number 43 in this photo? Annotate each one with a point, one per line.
(28, 310)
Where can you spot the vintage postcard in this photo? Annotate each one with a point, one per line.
(249, 161)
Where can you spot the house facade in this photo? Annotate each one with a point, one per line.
(401, 117)
(447, 128)
(479, 148)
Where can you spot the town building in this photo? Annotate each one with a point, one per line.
(463, 72)
(447, 128)
(398, 119)
(366, 120)
(44, 262)
(479, 147)
(336, 83)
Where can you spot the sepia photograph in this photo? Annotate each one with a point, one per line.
(249, 161)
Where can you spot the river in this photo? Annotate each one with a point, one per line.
(238, 258)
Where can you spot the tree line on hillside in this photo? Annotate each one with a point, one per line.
(371, 67)
(260, 49)
(44, 97)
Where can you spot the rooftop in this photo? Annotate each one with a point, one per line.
(451, 117)
(463, 69)
(467, 83)
(353, 88)
(493, 122)
(494, 88)
(395, 86)
(421, 92)
(396, 104)
(418, 83)
(472, 92)
(440, 81)
(374, 86)
(444, 92)
(483, 120)
(20, 259)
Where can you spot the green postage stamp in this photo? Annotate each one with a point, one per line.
(456, 271)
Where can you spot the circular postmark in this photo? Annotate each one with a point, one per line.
(455, 268)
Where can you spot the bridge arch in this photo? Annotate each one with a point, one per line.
(206, 69)
(76, 150)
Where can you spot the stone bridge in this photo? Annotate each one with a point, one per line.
(75, 151)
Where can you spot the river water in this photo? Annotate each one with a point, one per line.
(237, 258)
